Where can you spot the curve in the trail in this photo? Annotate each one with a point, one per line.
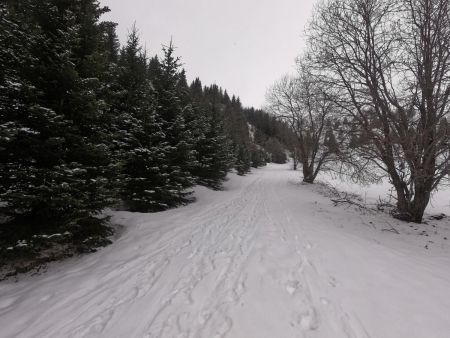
(267, 257)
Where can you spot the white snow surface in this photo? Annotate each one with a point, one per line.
(267, 257)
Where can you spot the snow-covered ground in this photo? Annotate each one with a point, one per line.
(440, 199)
(268, 257)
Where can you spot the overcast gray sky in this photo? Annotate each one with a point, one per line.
(242, 45)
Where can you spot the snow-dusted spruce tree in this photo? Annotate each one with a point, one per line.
(155, 145)
(258, 155)
(179, 141)
(213, 148)
(214, 153)
(237, 128)
(389, 64)
(138, 140)
(304, 104)
(276, 150)
(243, 159)
(54, 163)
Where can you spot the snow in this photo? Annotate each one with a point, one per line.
(267, 257)
(252, 131)
(440, 199)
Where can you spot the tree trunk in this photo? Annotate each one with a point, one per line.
(420, 202)
(308, 173)
(412, 211)
(295, 159)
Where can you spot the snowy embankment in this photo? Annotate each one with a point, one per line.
(439, 203)
(268, 257)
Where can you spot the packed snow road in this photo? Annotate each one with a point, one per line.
(267, 257)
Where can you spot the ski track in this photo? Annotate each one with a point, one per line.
(256, 260)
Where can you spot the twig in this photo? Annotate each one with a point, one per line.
(348, 201)
(392, 229)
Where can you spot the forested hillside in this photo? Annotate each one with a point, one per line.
(87, 124)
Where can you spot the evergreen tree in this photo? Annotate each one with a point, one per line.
(154, 68)
(276, 150)
(213, 148)
(215, 154)
(179, 142)
(258, 156)
(238, 128)
(243, 159)
(139, 142)
(54, 161)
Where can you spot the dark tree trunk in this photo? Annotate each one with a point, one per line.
(308, 173)
(295, 159)
(420, 202)
(412, 211)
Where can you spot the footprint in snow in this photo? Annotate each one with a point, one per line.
(309, 320)
(9, 301)
(292, 286)
(332, 281)
(45, 298)
(204, 317)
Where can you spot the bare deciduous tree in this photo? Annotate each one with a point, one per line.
(304, 105)
(389, 63)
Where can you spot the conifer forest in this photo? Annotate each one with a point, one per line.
(89, 124)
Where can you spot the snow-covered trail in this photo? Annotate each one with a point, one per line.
(268, 257)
